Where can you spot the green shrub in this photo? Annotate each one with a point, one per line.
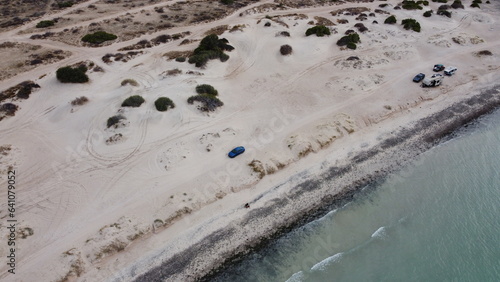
(425, 3)
(440, 1)
(180, 59)
(133, 101)
(43, 24)
(227, 2)
(411, 24)
(390, 20)
(209, 102)
(65, 4)
(411, 5)
(351, 45)
(98, 37)
(114, 120)
(351, 38)
(477, 1)
(162, 104)
(211, 47)
(72, 75)
(319, 30)
(206, 89)
(457, 4)
(428, 13)
(475, 5)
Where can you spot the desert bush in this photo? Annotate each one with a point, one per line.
(283, 33)
(66, 4)
(457, 4)
(361, 27)
(9, 109)
(72, 75)
(98, 37)
(43, 24)
(484, 53)
(206, 89)
(80, 101)
(180, 59)
(351, 38)
(444, 13)
(162, 104)
(411, 5)
(475, 5)
(411, 24)
(227, 2)
(428, 13)
(129, 81)
(114, 120)
(390, 20)
(319, 30)
(211, 47)
(286, 50)
(351, 45)
(444, 7)
(440, 1)
(133, 101)
(209, 102)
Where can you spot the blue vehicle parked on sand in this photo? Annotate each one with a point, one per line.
(236, 151)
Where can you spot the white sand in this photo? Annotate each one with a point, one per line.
(85, 199)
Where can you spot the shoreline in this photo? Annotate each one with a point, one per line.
(206, 259)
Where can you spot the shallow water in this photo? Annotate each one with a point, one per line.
(436, 220)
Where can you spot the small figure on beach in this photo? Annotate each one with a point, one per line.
(247, 205)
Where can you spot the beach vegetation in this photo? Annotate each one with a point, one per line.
(286, 50)
(391, 20)
(80, 101)
(444, 13)
(162, 104)
(319, 30)
(428, 13)
(129, 81)
(43, 24)
(98, 37)
(114, 120)
(349, 40)
(206, 89)
(411, 5)
(133, 101)
(457, 4)
(208, 102)
(207, 96)
(411, 24)
(72, 75)
(65, 4)
(210, 48)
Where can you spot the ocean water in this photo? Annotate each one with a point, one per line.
(436, 220)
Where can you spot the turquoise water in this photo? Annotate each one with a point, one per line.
(436, 220)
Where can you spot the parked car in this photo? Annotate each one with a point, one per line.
(436, 75)
(236, 151)
(450, 70)
(418, 77)
(438, 67)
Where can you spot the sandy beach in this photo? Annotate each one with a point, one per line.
(155, 197)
